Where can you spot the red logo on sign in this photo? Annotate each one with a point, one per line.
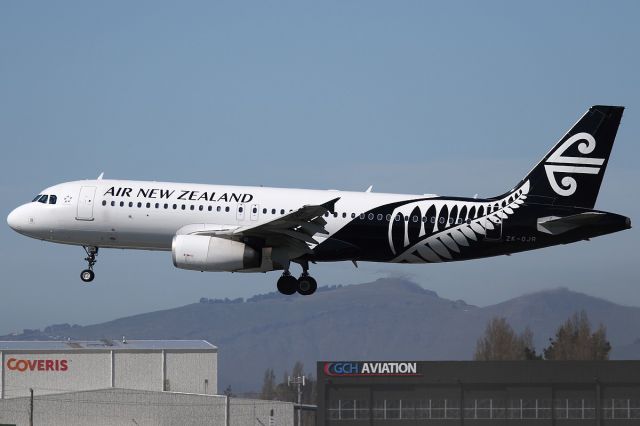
(37, 364)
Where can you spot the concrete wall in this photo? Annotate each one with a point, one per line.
(137, 370)
(127, 407)
(84, 371)
(184, 371)
(188, 371)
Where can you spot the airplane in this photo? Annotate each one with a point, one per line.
(260, 229)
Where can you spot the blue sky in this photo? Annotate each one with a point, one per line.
(454, 98)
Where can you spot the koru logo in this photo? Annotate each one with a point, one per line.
(558, 163)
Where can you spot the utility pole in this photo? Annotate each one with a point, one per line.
(31, 407)
(300, 381)
(227, 411)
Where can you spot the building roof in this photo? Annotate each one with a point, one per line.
(106, 345)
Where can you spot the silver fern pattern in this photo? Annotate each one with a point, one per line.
(435, 231)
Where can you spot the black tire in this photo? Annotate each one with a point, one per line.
(307, 285)
(287, 285)
(87, 275)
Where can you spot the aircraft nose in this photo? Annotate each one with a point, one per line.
(15, 220)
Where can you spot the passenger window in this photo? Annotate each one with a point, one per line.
(240, 209)
(175, 206)
(264, 211)
(344, 215)
(53, 199)
(335, 214)
(113, 203)
(166, 206)
(370, 216)
(388, 217)
(200, 208)
(361, 215)
(104, 202)
(209, 208)
(281, 211)
(148, 205)
(255, 210)
(353, 215)
(218, 208)
(43, 199)
(121, 203)
(398, 218)
(379, 216)
(184, 207)
(130, 203)
(192, 207)
(157, 205)
(139, 204)
(226, 209)
(415, 219)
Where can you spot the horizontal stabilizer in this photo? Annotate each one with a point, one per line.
(555, 225)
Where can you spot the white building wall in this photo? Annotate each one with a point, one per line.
(188, 371)
(84, 371)
(114, 407)
(137, 370)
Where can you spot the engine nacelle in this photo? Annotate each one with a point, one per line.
(202, 253)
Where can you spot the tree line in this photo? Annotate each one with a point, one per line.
(574, 340)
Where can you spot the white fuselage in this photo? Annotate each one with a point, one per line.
(147, 215)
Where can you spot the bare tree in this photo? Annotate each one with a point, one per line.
(574, 340)
(502, 343)
(268, 385)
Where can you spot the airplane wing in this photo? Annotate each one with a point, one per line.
(294, 231)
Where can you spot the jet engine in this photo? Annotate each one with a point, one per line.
(202, 253)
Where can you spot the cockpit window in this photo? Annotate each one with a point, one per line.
(36, 198)
(53, 199)
(43, 199)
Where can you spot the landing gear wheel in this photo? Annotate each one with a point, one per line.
(87, 275)
(287, 284)
(307, 285)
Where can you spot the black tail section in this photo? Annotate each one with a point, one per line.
(571, 173)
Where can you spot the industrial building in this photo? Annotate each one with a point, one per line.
(65, 366)
(519, 393)
(139, 382)
(115, 407)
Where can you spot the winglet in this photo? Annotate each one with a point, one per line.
(369, 188)
(331, 205)
(101, 175)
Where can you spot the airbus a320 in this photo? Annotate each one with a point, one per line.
(257, 229)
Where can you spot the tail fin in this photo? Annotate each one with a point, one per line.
(571, 173)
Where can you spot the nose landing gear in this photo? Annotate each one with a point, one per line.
(88, 275)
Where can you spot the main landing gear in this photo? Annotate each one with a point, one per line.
(88, 275)
(305, 285)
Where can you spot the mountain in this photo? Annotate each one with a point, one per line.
(388, 319)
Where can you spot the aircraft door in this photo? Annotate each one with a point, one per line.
(240, 212)
(85, 203)
(255, 208)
